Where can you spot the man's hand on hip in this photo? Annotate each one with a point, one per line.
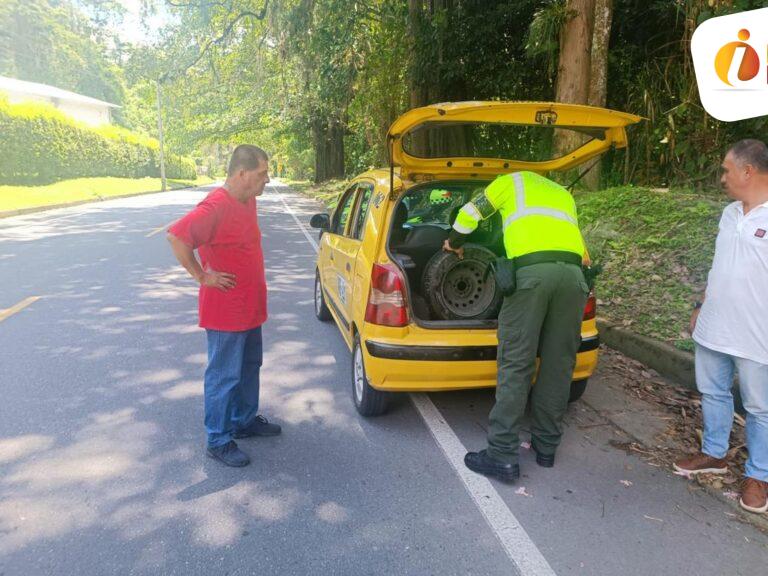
(220, 280)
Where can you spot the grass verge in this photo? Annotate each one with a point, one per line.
(82, 189)
(327, 192)
(656, 247)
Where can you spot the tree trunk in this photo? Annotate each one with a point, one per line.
(335, 143)
(598, 80)
(328, 142)
(318, 143)
(417, 92)
(573, 70)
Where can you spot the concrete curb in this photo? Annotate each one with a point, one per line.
(667, 360)
(34, 209)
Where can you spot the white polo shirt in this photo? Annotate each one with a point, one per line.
(734, 318)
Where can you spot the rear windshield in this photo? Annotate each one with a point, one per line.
(436, 203)
(529, 143)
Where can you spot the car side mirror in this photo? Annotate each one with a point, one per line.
(321, 221)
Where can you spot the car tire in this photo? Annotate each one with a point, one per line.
(321, 308)
(368, 400)
(462, 289)
(577, 389)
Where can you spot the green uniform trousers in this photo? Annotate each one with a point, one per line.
(543, 317)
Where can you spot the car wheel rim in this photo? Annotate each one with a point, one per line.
(466, 289)
(318, 297)
(359, 374)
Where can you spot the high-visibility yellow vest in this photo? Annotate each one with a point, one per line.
(537, 214)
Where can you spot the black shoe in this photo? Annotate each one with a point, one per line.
(481, 463)
(544, 460)
(229, 454)
(258, 427)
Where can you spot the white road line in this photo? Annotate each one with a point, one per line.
(515, 540)
(296, 218)
(519, 547)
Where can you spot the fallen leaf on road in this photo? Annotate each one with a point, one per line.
(626, 483)
(526, 445)
(731, 495)
(686, 475)
(521, 492)
(654, 519)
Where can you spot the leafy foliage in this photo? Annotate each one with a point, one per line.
(53, 42)
(656, 247)
(42, 145)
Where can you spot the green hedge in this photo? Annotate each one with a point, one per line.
(41, 145)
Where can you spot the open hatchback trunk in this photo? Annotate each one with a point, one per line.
(445, 154)
(485, 139)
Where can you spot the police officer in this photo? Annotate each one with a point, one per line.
(542, 316)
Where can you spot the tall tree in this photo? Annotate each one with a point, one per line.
(54, 42)
(573, 73)
(598, 78)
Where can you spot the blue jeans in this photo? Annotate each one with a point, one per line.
(231, 383)
(714, 378)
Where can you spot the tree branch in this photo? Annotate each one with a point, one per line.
(227, 31)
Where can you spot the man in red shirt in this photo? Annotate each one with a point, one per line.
(224, 229)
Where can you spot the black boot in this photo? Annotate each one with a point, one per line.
(544, 460)
(482, 463)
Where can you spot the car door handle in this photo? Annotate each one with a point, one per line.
(331, 255)
(349, 267)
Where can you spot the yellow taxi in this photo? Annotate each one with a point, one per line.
(417, 318)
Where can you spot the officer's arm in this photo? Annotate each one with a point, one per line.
(470, 215)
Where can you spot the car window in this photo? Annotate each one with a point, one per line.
(366, 191)
(343, 210)
(436, 205)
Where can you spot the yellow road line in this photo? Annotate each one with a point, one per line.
(8, 312)
(158, 230)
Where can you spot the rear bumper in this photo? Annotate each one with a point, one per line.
(409, 368)
(450, 353)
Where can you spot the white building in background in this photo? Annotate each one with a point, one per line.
(82, 108)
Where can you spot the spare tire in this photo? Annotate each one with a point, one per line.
(462, 289)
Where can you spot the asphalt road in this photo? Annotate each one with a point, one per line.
(102, 469)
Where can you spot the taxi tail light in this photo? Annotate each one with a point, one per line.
(591, 308)
(386, 300)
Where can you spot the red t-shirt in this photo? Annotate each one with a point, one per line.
(226, 234)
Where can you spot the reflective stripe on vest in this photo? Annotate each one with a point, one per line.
(521, 211)
(538, 215)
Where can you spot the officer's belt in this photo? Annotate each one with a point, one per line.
(547, 256)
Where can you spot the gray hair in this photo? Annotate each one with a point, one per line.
(246, 157)
(751, 151)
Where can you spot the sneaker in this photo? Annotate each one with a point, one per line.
(482, 463)
(754, 495)
(229, 454)
(260, 426)
(701, 464)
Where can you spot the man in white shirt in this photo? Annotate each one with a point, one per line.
(730, 327)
